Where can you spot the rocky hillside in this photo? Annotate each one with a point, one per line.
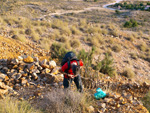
(10, 48)
(27, 73)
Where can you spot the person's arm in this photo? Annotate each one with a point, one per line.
(63, 68)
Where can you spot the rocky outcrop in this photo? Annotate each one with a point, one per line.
(26, 71)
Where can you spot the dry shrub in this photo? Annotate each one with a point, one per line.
(114, 33)
(83, 22)
(143, 47)
(128, 73)
(135, 35)
(58, 24)
(21, 32)
(75, 43)
(60, 101)
(19, 37)
(96, 40)
(1, 20)
(45, 43)
(130, 38)
(111, 26)
(116, 48)
(104, 31)
(67, 45)
(28, 31)
(134, 55)
(63, 39)
(39, 31)
(12, 32)
(12, 105)
(75, 30)
(35, 23)
(93, 30)
(54, 35)
(65, 30)
(35, 36)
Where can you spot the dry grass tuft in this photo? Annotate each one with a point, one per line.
(143, 47)
(129, 73)
(12, 105)
(75, 30)
(75, 43)
(64, 101)
(116, 48)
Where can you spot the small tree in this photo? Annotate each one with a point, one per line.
(106, 66)
(128, 24)
(86, 56)
(58, 51)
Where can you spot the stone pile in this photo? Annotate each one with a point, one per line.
(26, 70)
(121, 103)
(124, 94)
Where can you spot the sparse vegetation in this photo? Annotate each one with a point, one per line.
(128, 72)
(58, 51)
(131, 23)
(143, 47)
(116, 48)
(28, 31)
(75, 43)
(86, 57)
(58, 99)
(12, 105)
(134, 56)
(146, 101)
(117, 12)
(106, 66)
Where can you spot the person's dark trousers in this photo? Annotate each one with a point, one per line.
(77, 81)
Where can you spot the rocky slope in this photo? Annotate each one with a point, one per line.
(26, 72)
(10, 48)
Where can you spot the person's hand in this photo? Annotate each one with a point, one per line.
(71, 76)
(60, 69)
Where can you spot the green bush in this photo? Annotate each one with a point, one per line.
(131, 23)
(58, 51)
(117, 12)
(106, 66)
(146, 101)
(128, 24)
(86, 57)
